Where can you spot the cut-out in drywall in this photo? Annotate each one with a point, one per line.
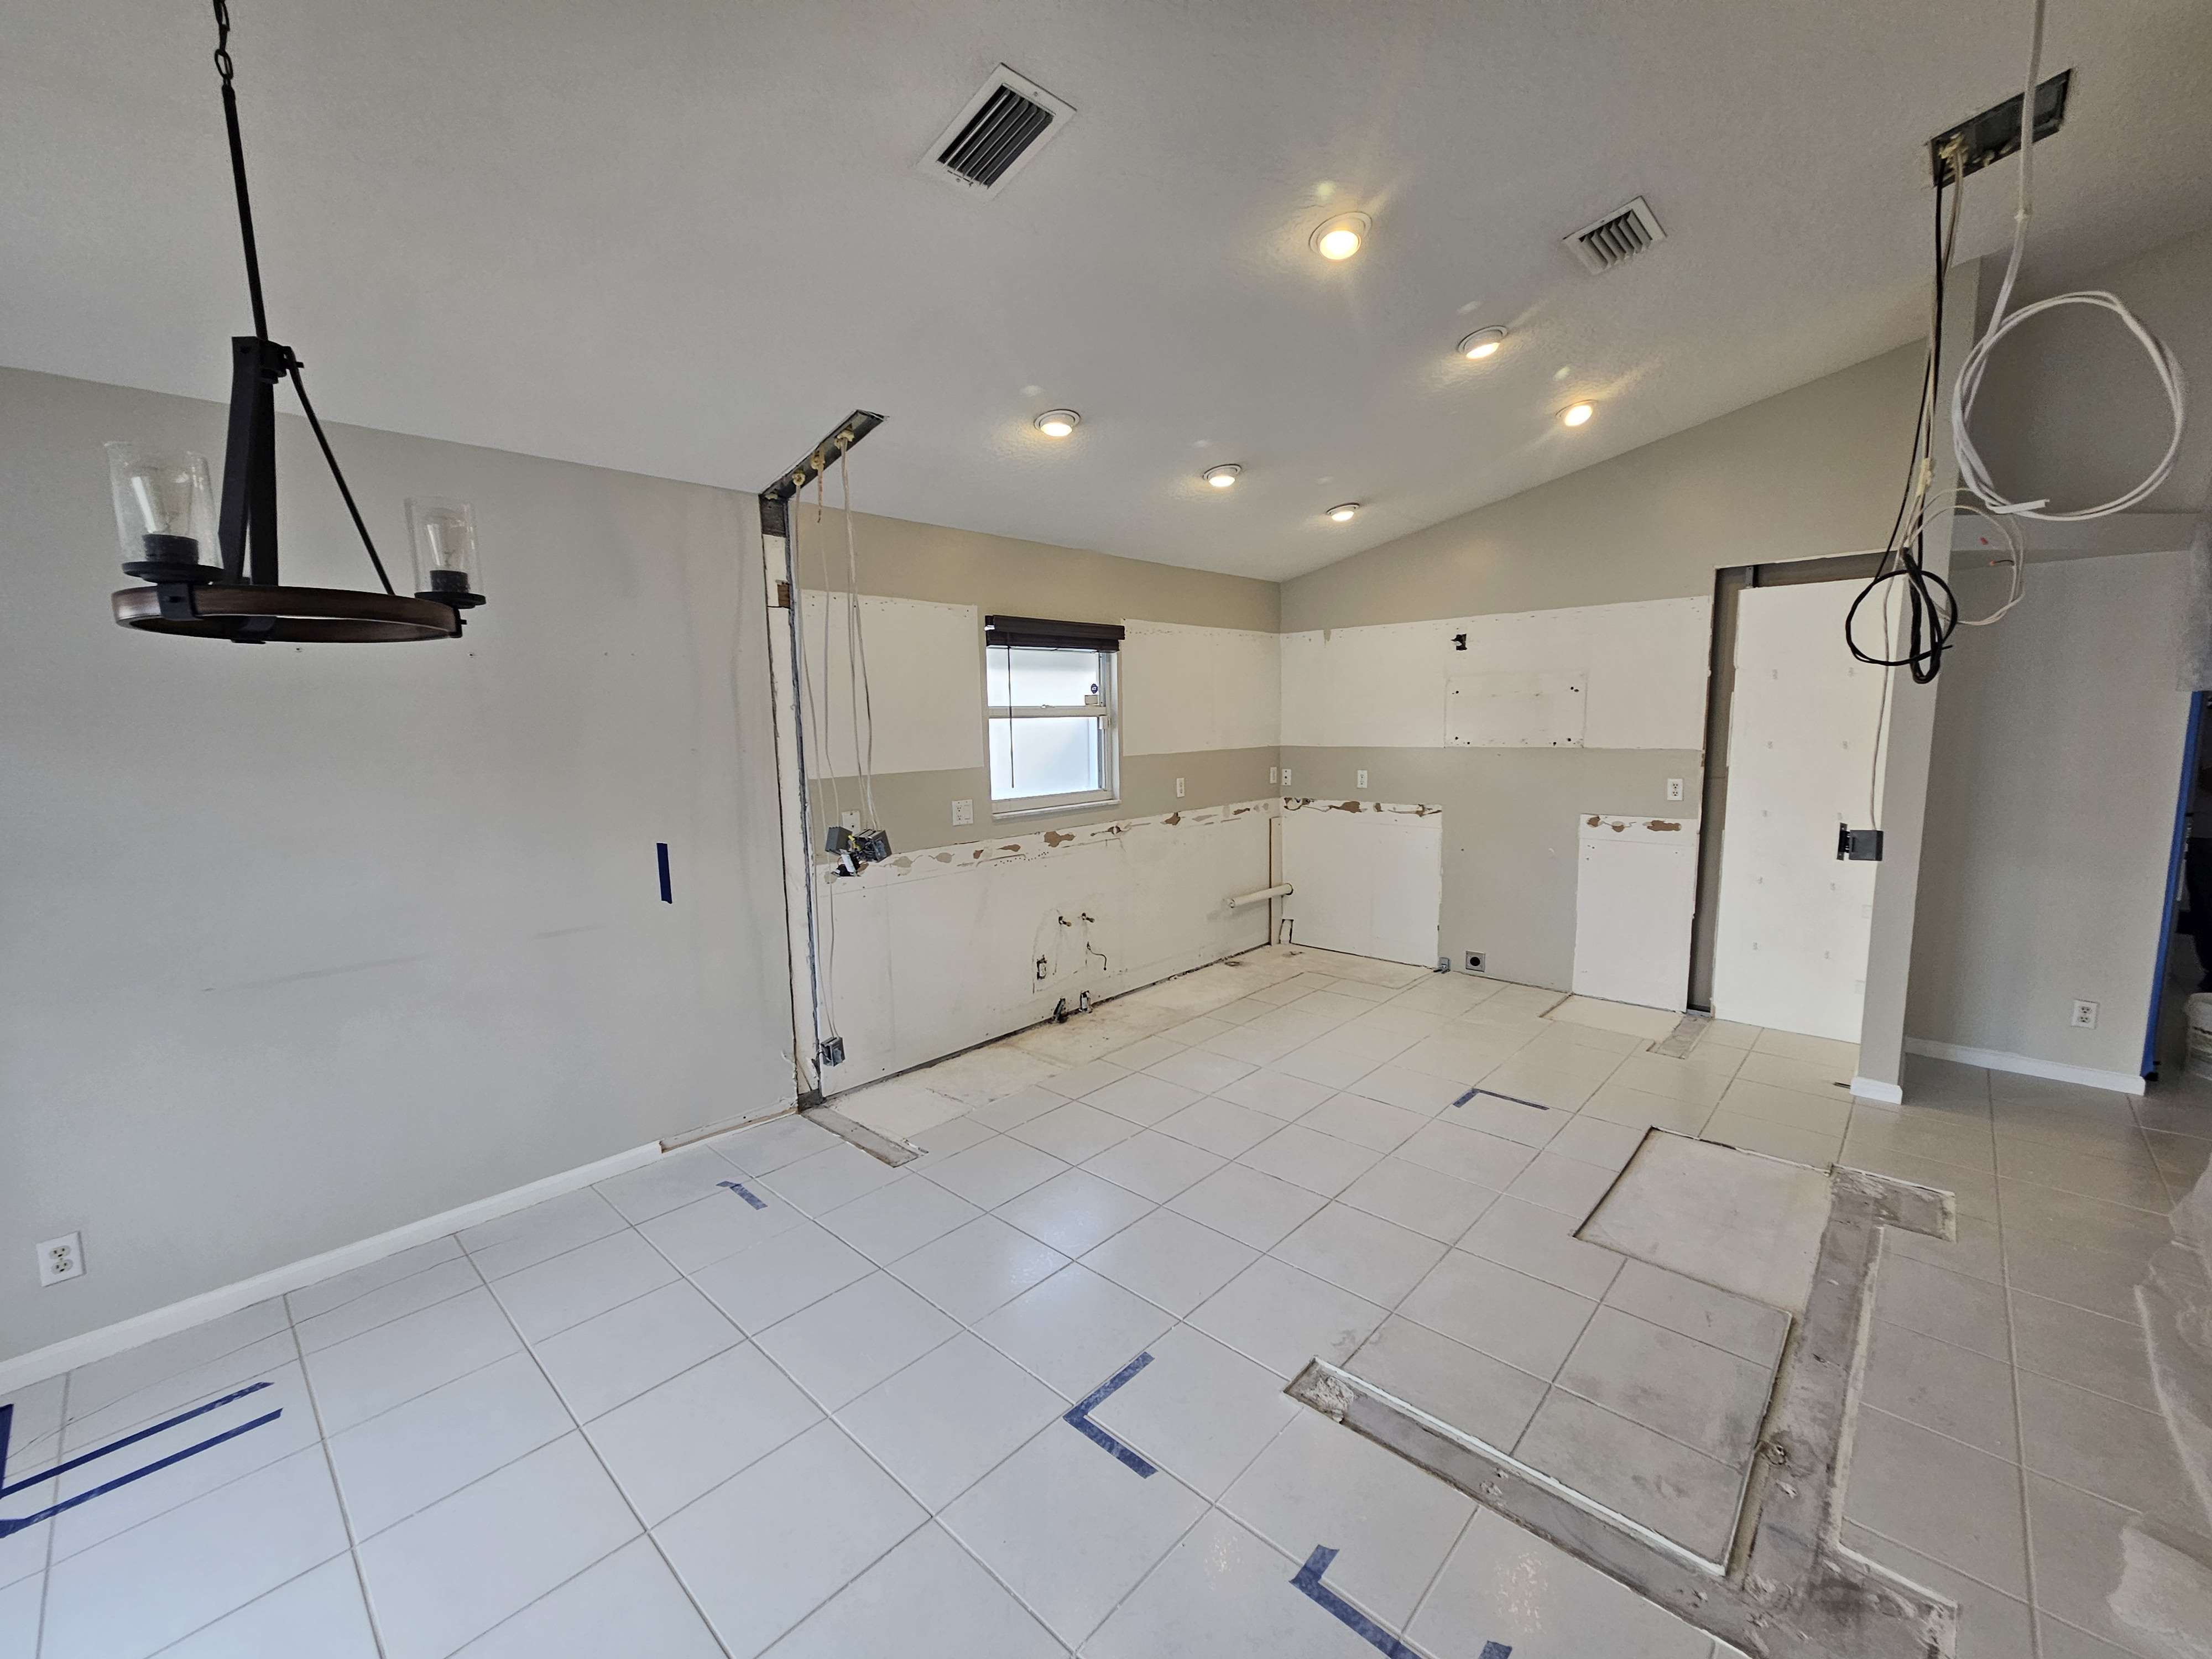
(1514, 710)
(1635, 891)
(1643, 666)
(1369, 879)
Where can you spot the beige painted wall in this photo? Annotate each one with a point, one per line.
(1814, 470)
(2057, 764)
(995, 574)
(1811, 472)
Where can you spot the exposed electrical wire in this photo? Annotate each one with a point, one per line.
(812, 714)
(863, 710)
(1973, 470)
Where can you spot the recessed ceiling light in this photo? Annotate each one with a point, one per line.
(1344, 512)
(1483, 343)
(1057, 422)
(1339, 238)
(1576, 414)
(1222, 476)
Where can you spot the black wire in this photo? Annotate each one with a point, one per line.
(1931, 608)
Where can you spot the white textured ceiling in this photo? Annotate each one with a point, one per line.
(683, 238)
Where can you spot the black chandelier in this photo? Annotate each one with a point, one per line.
(164, 516)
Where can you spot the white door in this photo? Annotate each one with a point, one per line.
(1789, 946)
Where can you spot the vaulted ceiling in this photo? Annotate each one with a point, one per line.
(683, 238)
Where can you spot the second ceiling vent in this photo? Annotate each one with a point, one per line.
(1005, 124)
(1619, 237)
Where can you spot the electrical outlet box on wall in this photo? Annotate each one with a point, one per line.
(61, 1258)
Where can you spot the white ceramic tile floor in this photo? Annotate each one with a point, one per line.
(790, 1411)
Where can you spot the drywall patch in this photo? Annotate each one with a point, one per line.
(1369, 878)
(1636, 893)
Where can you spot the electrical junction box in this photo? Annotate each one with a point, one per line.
(1863, 845)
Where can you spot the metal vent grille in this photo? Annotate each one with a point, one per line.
(996, 133)
(1617, 237)
(995, 139)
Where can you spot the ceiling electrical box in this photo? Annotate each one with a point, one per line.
(1995, 133)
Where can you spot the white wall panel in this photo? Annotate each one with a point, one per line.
(1369, 879)
(1514, 710)
(924, 685)
(1790, 947)
(937, 951)
(1636, 890)
(1643, 665)
(1189, 688)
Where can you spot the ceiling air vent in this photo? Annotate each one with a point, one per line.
(1618, 236)
(1000, 128)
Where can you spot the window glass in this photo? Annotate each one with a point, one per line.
(1043, 756)
(1036, 677)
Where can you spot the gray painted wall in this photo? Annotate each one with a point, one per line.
(1810, 472)
(997, 574)
(2057, 764)
(305, 944)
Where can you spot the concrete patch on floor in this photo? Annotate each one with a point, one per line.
(1733, 1219)
(1785, 1587)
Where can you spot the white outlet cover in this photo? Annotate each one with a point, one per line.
(1673, 789)
(851, 820)
(1361, 784)
(963, 811)
(1286, 774)
(61, 1258)
(1272, 778)
(1178, 788)
(2085, 1015)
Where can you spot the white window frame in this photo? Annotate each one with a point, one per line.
(1107, 715)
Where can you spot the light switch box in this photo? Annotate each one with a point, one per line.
(963, 811)
(1272, 778)
(1178, 788)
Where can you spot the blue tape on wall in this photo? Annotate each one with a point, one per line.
(10, 1524)
(1078, 1417)
(667, 894)
(743, 1191)
(1308, 1581)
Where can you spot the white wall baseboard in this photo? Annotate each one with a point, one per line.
(1882, 1094)
(1998, 1060)
(40, 1363)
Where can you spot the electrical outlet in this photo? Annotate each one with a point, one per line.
(1272, 771)
(850, 820)
(1286, 777)
(963, 811)
(61, 1258)
(1178, 788)
(1361, 784)
(2085, 1015)
(1474, 961)
(1673, 789)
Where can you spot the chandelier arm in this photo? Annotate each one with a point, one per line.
(300, 385)
(224, 68)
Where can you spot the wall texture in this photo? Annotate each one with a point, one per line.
(2057, 764)
(1811, 472)
(305, 944)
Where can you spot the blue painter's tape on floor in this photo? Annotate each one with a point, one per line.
(1078, 1417)
(1308, 1583)
(743, 1191)
(9, 1524)
(1494, 1095)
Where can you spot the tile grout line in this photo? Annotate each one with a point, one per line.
(330, 1470)
(591, 1447)
(2019, 1415)
(47, 1571)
